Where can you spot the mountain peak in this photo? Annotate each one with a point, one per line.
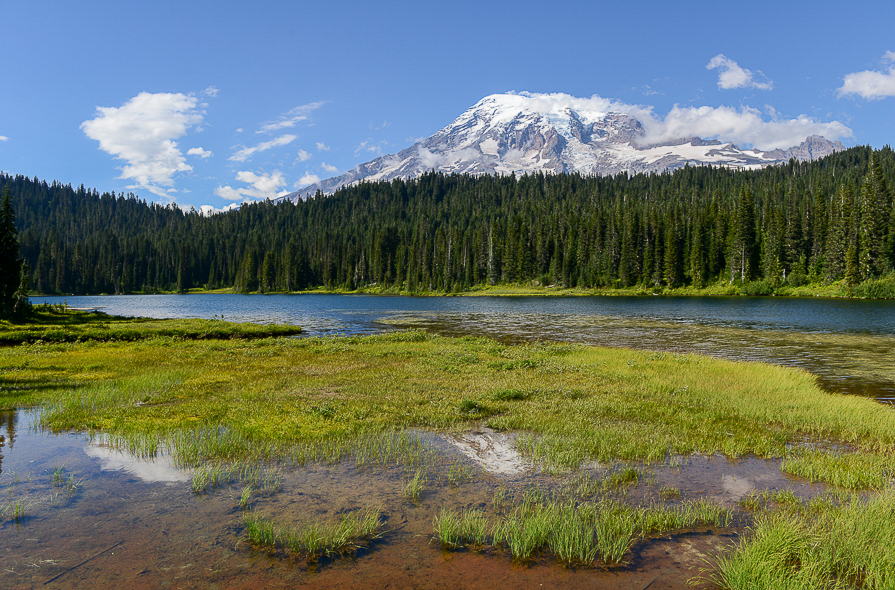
(554, 133)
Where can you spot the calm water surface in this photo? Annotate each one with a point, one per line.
(847, 343)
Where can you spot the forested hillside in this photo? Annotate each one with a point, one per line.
(820, 221)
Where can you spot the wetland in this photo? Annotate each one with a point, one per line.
(491, 444)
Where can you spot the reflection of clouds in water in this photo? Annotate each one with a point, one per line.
(159, 470)
(495, 452)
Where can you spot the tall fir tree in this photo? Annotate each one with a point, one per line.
(10, 264)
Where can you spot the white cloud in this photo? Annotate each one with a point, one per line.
(142, 132)
(307, 179)
(734, 76)
(201, 152)
(208, 210)
(303, 156)
(289, 119)
(246, 152)
(872, 85)
(373, 148)
(328, 168)
(3, 138)
(261, 186)
(211, 91)
(744, 126)
(322, 147)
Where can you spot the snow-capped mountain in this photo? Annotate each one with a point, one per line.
(519, 133)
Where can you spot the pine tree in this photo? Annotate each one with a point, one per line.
(745, 250)
(10, 265)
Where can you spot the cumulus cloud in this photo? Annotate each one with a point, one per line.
(322, 147)
(245, 153)
(289, 119)
(201, 152)
(3, 138)
(870, 84)
(211, 91)
(733, 76)
(209, 210)
(303, 156)
(142, 132)
(744, 126)
(261, 186)
(328, 168)
(306, 180)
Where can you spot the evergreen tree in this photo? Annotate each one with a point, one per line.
(745, 251)
(10, 264)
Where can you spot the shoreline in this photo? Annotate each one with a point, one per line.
(832, 291)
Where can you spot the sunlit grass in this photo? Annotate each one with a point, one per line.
(318, 538)
(851, 471)
(850, 545)
(328, 399)
(575, 533)
(58, 323)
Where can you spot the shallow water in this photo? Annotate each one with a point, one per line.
(137, 523)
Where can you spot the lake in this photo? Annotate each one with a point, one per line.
(847, 343)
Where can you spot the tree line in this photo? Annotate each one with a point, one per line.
(820, 221)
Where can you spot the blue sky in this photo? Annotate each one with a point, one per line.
(213, 103)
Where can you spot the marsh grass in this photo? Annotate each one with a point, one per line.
(832, 545)
(575, 533)
(15, 510)
(260, 479)
(61, 324)
(413, 488)
(231, 400)
(850, 471)
(316, 539)
(459, 472)
(586, 484)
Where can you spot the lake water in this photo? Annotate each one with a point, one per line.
(847, 343)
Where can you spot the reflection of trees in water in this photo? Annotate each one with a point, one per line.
(7, 420)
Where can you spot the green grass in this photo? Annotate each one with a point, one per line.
(58, 323)
(315, 539)
(328, 399)
(575, 533)
(413, 489)
(850, 471)
(882, 288)
(851, 545)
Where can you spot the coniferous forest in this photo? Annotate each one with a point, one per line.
(819, 222)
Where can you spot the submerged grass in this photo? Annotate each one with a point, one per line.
(575, 533)
(316, 539)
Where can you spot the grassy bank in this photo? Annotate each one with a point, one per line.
(880, 288)
(59, 323)
(235, 398)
